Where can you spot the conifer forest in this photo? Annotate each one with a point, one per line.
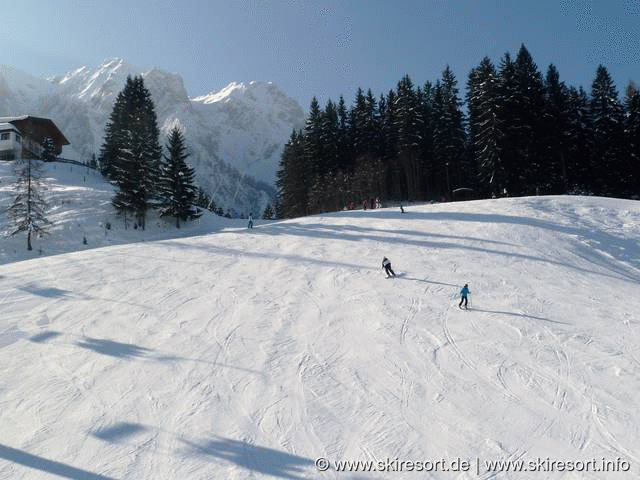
(514, 132)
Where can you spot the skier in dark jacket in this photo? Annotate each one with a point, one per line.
(463, 295)
(386, 264)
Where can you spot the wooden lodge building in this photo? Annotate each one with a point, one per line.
(22, 137)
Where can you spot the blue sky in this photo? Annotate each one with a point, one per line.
(322, 48)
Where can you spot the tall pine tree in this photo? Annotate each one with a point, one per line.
(607, 119)
(448, 136)
(556, 126)
(292, 178)
(485, 127)
(409, 128)
(131, 152)
(632, 131)
(529, 129)
(177, 191)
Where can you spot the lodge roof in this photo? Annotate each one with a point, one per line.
(8, 126)
(43, 127)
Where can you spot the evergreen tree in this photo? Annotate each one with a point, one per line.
(330, 138)
(268, 213)
(312, 142)
(48, 150)
(292, 178)
(485, 127)
(632, 131)
(580, 171)
(556, 128)
(113, 141)
(432, 185)
(409, 128)
(449, 163)
(389, 145)
(607, 119)
(178, 194)
(358, 119)
(345, 144)
(28, 209)
(206, 202)
(508, 110)
(131, 153)
(530, 103)
(372, 126)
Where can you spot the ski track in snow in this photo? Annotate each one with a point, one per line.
(250, 354)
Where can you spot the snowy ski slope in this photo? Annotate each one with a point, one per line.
(251, 354)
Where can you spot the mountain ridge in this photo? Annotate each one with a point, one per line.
(235, 135)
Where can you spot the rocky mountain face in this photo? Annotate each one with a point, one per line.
(235, 135)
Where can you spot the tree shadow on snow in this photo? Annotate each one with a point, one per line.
(48, 466)
(424, 280)
(119, 432)
(113, 349)
(176, 358)
(48, 292)
(44, 336)
(258, 459)
(518, 314)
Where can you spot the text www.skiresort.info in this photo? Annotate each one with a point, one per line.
(477, 466)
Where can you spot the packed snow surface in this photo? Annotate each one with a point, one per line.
(252, 353)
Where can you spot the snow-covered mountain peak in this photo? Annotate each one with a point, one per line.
(18, 88)
(253, 92)
(104, 81)
(233, 133)
(224, 94)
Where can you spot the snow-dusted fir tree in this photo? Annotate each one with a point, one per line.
(485, 127)
(409, 128)
(268, 213)
(448, 134)
(28, 209)
(131, 152)
(48, 150)
(177, 192)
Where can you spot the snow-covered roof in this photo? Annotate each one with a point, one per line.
(38, 127)
(4, 126)
(13, 119)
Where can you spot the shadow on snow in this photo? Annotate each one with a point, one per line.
(252, 457)
(49, 466)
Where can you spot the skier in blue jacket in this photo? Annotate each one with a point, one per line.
(463, 295)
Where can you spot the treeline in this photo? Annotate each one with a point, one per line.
(523, 133)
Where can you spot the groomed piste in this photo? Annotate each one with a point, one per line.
(236, 353)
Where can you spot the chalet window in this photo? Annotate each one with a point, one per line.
(5, 136)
